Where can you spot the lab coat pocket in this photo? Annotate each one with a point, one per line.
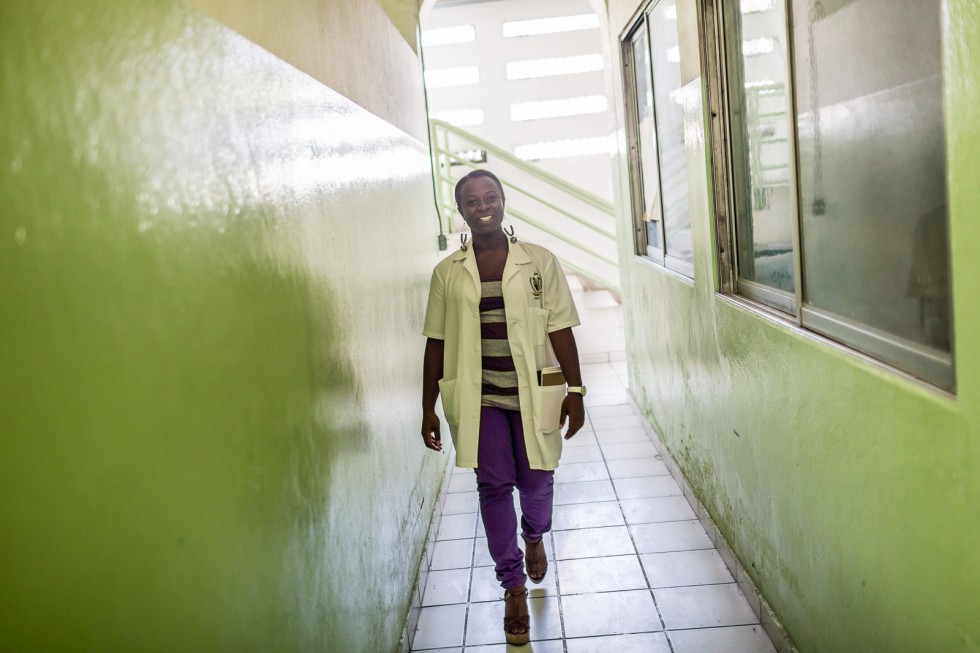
(450, 405)
(547, 406)
(538, 326)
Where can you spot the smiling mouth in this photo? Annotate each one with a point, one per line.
(487, 218)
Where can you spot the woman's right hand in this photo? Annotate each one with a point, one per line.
(430, 430)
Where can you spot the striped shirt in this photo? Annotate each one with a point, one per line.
(499, 374)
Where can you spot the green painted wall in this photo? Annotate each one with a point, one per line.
(212, 278)
(851, 493)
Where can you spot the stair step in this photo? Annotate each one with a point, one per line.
(600, 298)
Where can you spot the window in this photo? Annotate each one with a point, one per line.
(836, 147)
(573, 106)
(448, 35)
(655, 121)
(460, 117)
(444, 77)
(534, 68)
(553, 25)
(761, 154)
(563, 149)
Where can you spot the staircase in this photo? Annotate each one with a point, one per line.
(576, 225)
(600, 336)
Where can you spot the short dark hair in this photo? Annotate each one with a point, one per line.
(479, 172)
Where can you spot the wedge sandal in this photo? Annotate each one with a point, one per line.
(517, 621)
(536, 560)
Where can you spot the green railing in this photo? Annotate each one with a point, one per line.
(578, 226)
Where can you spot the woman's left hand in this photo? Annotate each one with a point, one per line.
(574, 408)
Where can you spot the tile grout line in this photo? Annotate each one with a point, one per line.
(698, 515)
(561, 609)
(771, 626)
(619, 500)
(629, 531)
(469, 584)
(435, 521)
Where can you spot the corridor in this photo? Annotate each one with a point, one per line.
(630, 567)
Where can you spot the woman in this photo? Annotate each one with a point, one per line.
(494, 307)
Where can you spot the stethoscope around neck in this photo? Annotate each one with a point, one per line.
(464, 238)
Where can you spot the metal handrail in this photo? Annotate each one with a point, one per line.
(533, 170)
(524, 217)
(550, 205)
(444, 159)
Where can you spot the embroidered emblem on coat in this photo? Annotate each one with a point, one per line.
(537, 285)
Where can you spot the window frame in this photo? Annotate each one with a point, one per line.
(641, 245)
(932, 366)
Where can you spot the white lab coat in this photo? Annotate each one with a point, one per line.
(453, 315)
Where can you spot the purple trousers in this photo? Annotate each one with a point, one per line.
(502, 466)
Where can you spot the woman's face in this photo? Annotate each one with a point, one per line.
(482, 205)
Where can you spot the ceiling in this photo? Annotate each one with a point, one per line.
(405, 15)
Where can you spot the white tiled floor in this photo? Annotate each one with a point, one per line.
(630, 567)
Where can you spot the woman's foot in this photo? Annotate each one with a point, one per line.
(517, 621)
(535, 560)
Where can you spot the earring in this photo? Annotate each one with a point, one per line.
(510, 233)
(462, 241)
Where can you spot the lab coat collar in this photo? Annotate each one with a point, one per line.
(516, 256)
(515, 252)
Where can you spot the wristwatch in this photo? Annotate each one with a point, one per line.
(580, 389)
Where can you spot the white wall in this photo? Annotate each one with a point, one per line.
(495, 94)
